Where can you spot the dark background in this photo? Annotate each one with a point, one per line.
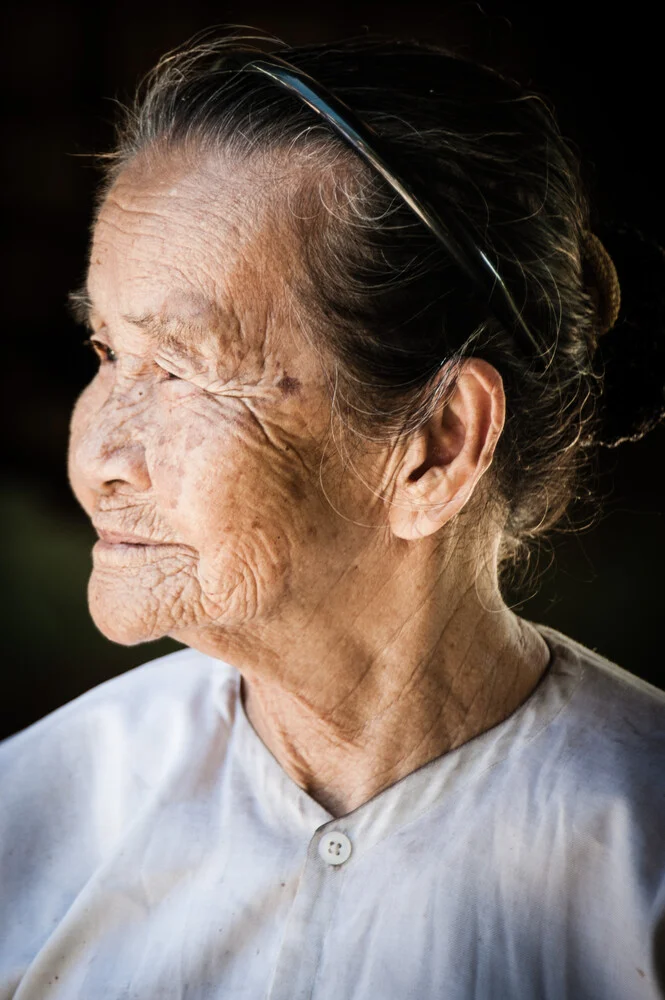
(63, 65)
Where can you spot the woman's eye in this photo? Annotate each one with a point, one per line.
(169, 375)
(102, 350)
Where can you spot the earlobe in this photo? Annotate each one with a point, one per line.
(446, 459)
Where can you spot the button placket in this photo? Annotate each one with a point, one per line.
(309, 922)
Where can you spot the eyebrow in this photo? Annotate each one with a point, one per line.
(80, 306)
(171, 332)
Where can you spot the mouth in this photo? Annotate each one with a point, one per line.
(122, 549)
(119, 550)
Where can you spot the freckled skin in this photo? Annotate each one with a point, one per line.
(223, 461)
(365, 619)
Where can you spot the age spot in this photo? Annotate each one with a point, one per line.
(289, 385)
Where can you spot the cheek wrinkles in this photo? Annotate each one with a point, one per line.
(285, 446)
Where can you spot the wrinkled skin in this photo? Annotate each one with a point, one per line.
(363, 613)
(218, 454)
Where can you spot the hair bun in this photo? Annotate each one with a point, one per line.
(603, 282)
(631, 354)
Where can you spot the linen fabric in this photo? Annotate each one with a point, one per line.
(153, 848)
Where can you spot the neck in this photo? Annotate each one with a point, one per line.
(357, 711)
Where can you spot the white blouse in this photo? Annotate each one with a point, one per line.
(151, 848)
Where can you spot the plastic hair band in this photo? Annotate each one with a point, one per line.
(458, 243)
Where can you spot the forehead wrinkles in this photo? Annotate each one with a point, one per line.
(173, 217)
(192, 254)
(164, 231)
(174, 226)
(194, 195)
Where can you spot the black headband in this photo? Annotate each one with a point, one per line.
(362, 138)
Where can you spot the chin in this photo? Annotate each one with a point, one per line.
(119, 616)
(125, 633)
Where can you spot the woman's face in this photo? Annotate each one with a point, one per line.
(197, 448)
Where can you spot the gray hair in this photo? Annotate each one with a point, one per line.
(378, 292)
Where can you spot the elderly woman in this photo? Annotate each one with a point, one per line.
(346, 304)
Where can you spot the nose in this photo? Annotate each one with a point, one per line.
(107, 448)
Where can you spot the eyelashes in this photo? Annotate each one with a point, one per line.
(106, 355)
(102, 350)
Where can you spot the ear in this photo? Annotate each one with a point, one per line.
(444, 461)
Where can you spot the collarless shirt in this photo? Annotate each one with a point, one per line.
(151, 847)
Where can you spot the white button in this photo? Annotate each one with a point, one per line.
(335, 847)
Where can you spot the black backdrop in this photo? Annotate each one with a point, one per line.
(62, 66)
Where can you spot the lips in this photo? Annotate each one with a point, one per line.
(120, 550)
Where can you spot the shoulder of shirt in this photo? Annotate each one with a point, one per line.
(602, 675)
(613, 715)
(157, 697)
(73, 784)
